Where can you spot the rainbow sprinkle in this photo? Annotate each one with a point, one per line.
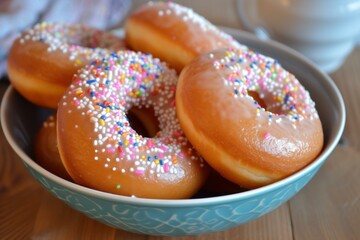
(109, 87)
(79, 41)
(282, 93)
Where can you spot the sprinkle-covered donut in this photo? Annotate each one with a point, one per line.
(43, 59)
(247, 116)
(101, 150)
(174, 33)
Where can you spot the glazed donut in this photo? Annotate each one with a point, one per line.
(46, 150)
(43, 59)
(101, 150)
(251, 144)
(173, 33)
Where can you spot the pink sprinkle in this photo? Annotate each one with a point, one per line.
(149, 143)
(181, 155)
(166, 167)
(111, 149)
(267, 135)
(161, 155)
(139, 172)
(261, 81)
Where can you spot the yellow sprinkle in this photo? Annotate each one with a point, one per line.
(157, 161)
(102, 122)
(126, 142)
(78, 92)
(107, 109)
(77, 62)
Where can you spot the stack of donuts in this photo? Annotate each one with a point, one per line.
(175, 106)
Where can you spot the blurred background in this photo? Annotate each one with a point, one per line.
(337, 17)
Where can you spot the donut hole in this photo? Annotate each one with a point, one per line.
(92, 38)
(257, 98)
(143, 121)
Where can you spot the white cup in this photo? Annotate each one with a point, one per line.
(325, 31)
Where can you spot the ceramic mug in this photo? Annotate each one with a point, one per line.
(325, 31)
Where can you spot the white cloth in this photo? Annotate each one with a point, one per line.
(16, 15)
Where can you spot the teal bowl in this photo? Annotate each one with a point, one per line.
(203, 213)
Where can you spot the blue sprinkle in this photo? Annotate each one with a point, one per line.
(91, 81)
(101, 105)
(114, 55)
(287, 96)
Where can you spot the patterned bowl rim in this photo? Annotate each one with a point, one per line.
(206, 200)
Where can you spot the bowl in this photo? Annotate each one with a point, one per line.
(201, 214)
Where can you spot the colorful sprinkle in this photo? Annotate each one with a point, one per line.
(105, 101)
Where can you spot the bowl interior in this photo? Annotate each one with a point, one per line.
(21, 119)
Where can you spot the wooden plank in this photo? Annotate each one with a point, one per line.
(56, 220)
(329, 207)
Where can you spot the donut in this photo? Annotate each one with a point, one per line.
(43, 59)
(101, 150)
(173, 33)
(46, 150)
(249, 142)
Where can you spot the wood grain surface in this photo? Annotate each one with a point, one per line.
(327, 208)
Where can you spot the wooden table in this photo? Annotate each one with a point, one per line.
(327, 208)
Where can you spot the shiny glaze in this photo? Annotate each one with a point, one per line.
(99, 147)
(174, 33)
(247, 143)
